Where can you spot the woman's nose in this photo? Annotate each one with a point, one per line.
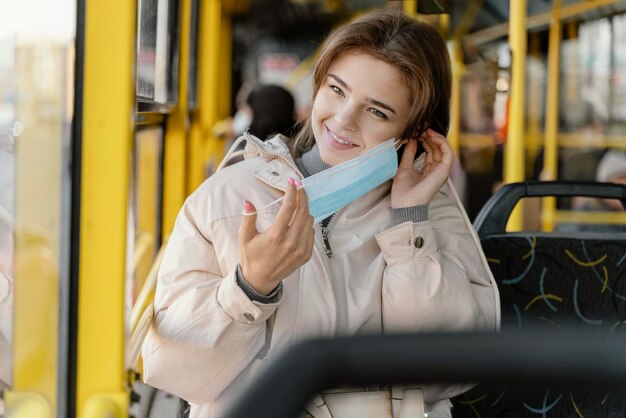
(346, 116)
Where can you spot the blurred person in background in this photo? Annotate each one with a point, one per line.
(611, 169)
(271, 110)
(266, 110)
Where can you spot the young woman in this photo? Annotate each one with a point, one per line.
(335, 235)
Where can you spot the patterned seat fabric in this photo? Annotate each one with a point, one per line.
(551, 281)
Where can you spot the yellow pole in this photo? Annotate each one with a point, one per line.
(205, 147)
(550, 157)
(36, 320)
(220, 94)
(514, 150)
(225, 70)
(108, 132)
(175, 152)
(444, 24)
(455, 114)
(533, 133)
(410, 7)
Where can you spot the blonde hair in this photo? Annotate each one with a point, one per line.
(414, 48)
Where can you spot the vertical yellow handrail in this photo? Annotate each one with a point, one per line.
(534, 100)
(206, 149)
(27, 404)
(36, 322)
(208, 44)
(458, 68)
(175, 144)
(550, 157)
(225, 72)
(108, 131)
(444, 25)
(217, 37)
(514, 151)
(410, 7)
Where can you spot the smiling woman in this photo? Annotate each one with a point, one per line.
(414, 67)
(355, 111)
(362, 242)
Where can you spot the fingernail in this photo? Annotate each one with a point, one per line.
(291, 181)
(298, 183)
(247, 207)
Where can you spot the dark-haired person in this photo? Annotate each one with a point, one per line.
(268, 110)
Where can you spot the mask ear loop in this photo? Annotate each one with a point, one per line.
(399, 142)
(280, 199)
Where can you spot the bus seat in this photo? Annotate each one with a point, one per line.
(555, 281)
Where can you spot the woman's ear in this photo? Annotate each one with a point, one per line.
(420, 148)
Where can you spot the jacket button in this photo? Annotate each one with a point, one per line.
(418, 242)
(248, 316)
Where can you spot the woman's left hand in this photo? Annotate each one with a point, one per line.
(411, 188)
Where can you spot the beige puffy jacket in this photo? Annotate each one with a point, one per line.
(208, 340)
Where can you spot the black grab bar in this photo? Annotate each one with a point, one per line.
(520, 357)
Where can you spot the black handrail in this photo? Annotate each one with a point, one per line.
(493, 217)
(522, 357)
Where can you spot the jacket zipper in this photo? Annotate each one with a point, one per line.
(325, 232)
(325, 229)
(281, 155)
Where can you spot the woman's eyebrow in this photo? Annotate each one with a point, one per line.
(369, 99)
(381, 104)
(340, 81)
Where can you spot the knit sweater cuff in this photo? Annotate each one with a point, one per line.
(251, 293)
(411, 214)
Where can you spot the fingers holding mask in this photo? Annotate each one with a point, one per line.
(301, 219)
(301, 227)
(288, 207)
(270, 256)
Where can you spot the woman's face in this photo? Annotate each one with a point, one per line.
(361, 103)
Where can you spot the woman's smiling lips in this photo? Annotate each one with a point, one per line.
(337, 142)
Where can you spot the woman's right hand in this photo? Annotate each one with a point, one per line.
(268, 257)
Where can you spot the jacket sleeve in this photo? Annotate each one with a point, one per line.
(436, 280)
(424, 287)
(205, 330)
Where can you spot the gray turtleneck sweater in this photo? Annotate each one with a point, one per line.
(309, 164)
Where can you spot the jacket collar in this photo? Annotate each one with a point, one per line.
(281, 164)
(275, 147)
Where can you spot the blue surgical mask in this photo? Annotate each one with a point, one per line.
(338, 186)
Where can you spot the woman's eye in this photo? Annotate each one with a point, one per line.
(336, 90)
(378, 113)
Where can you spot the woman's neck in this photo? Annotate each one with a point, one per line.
(311, 162)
